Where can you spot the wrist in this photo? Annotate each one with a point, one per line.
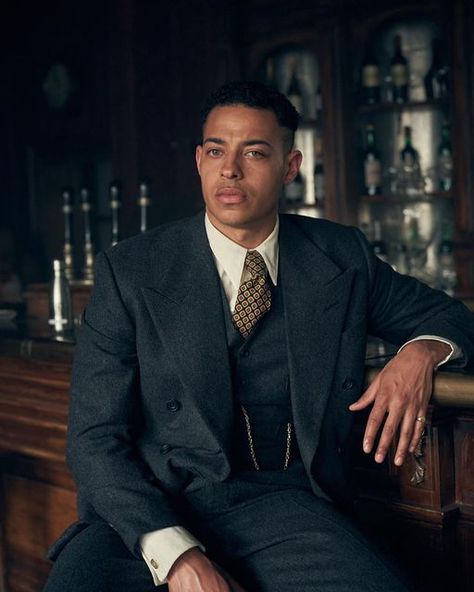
(433, 351)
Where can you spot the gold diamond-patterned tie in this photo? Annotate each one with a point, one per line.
(254, 297)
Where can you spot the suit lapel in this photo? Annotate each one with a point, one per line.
(316, 295)
(185, 304)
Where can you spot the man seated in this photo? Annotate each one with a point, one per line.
(218, 371)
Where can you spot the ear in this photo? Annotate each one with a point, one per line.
(295, 158)
(198, 158)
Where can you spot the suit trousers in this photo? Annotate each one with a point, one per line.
(270, 538)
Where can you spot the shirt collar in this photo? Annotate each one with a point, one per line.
(230, 256)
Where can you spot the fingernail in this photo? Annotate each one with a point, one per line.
(399, 461)
(379, 458)
(366, 446)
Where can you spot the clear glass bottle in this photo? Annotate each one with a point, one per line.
(447, 277)
(445, 160)
(372, 166)
(61, 316)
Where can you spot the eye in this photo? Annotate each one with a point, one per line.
(214, 152)
(255, 154)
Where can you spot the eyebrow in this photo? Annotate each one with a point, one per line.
(251, 142)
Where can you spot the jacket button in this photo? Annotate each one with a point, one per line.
(348, 384)
(173, 405)
(165, 448)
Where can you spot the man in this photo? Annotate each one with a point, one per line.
(216, 378)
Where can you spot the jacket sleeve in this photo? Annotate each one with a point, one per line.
(401, 308)
(105, 419)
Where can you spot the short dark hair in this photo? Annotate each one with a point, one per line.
(256, 95)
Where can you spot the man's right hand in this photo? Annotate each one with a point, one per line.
(194, 572)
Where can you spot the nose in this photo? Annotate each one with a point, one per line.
(231, 167)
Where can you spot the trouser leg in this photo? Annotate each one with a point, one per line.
(292, 540)
(96, 560)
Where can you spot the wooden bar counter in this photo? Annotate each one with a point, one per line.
(424, 511)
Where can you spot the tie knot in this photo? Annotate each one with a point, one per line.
(255, 264)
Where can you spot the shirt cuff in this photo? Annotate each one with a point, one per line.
(161, 548)
(455, 352)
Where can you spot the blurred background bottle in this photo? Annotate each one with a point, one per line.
(295, 94)
(445, 160)
(294, 192)
(370, 79)
(372, 166)
(378, 244)
(399, 72)
(60, 307)
(437, 78)
(447, 278)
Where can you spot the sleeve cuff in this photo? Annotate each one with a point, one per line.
(161, 548)
(453, 354)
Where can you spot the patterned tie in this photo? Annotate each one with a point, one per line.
(254, 297)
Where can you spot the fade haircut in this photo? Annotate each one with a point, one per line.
(258, 96)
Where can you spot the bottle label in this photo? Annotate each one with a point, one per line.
(370, 76)
(399, 74)
(372, 172)
(319, 189)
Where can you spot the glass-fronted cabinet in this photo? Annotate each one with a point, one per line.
(405, 165)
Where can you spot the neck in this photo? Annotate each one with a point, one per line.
(249, 238)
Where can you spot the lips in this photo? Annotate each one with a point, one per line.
(230, 195)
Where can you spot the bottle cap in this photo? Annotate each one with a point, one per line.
(58, 265)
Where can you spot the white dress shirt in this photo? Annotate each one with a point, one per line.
(161, 548)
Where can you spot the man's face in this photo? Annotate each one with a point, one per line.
(244, 162)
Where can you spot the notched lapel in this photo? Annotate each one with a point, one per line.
(316, 295)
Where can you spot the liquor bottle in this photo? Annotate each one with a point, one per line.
(319, 185)
(370, 79)
(409, 156)
(411, 181)
(68, 226)
(60, 307)
(114, 193)
(436, 80)
(447, 278)
(372, 167)
(399, 72)
(295, 191)
(89, 257)
(445, 160)
(144, 202)
(378, 244)
(295, 95)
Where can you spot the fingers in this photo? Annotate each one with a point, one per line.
(367, 398)
(407, 430)
(418, 431)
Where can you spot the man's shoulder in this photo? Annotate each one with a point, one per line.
(163, 238)
(320, 230)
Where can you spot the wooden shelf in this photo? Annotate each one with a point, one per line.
(399, 107)
(393, 198)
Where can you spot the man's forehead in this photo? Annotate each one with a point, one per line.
(241, 119)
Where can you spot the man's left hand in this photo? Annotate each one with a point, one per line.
(400, 394)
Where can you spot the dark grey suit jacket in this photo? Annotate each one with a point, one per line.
(151, 401)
